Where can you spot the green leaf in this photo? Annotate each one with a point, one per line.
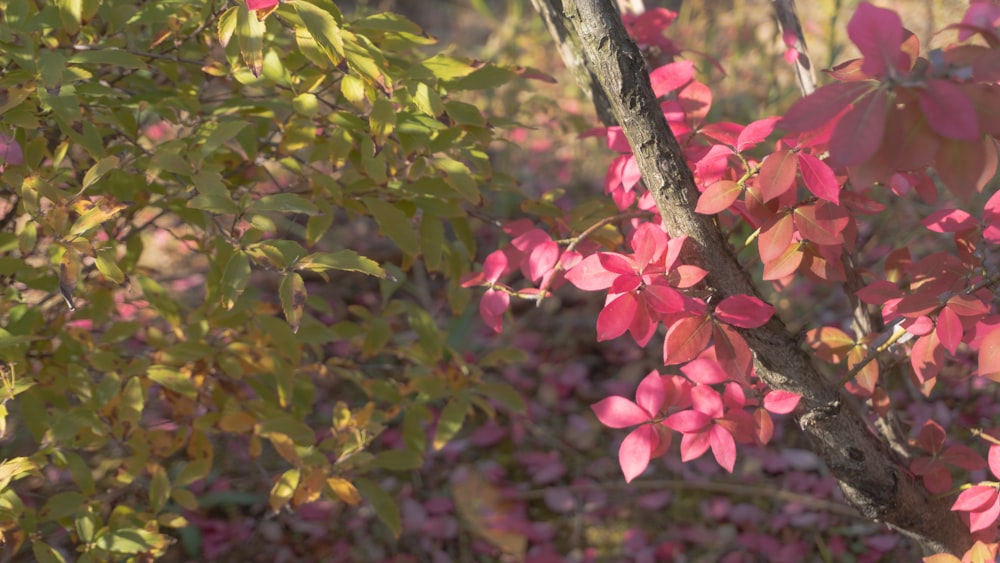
(450, 422)
(432, 241)
(382, 119)
(107, 264)
(323, 28)
(71, 14)
(505, 394)
(346, 260)
(235, 278)
(275, 71)
(459, 178)
(414, 434)
(394, 223)
(398, 460)
(284, 203)
(293, 299)
(298, 432)
(487, 77)
(227, 24)
(62, 505)
(159, 488)
(384, 505)
(107, 56)
(221, 132)
(172, 379)
(283, 489)
(427, 331)
(45, 554)
(250, 34)
(51, 66)
(427, 100)
(130, 541)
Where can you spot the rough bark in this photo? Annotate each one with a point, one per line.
(870, 475)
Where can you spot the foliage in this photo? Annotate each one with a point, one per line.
(145, 144)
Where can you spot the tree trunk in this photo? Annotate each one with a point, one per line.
(872, 477)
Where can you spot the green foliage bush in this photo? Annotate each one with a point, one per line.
(162, 140)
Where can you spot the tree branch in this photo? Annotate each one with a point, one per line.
(871, 479)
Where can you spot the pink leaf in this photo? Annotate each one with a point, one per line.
(756, 132)
(949, 111)
(878, 33)
(775, 236)
(651, 393)
(617, 141)
(986, 518)
(975, 498)
(616, 317)
(670, 77)
(492, 307)
(617, 263)
(590, 274)
(542, 259)
(688, 421)
(635, 451)
(495, 265)
(723, 447)
(705, 370)
(949, 221)
(781, 402)
(819, 178)
(949, 330)
(744, 311)
(649, 243)
(822, 223)
(989, 356)
(619, 412)
(261, 4)
(706, 400)
(694, 445)
(686, 276)
(993, 460)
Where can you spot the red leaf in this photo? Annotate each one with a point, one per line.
(723, 447)
(648, 242)
(879, 292)
(492, 307)
(966, 167)
(686, 339)
(764, 426)
(878, 33)
(777, 174)
(591, 275)
(781, 402)
(718, 197)
(949, 221)
(617, 141)
(636, 450)
(723, 132)
(784, 265)
(968, 305)
(964, 457)
(926, 357)
(671, 77)
(949, 330)
(616, 317)
(696, 99)
(261, 4)
(705, 370)
(775, 237)
(822, 223)
(949, 111)
(755, 133)
(931, 437)
(688, 421)
(619, 412)
(989, 356)
(819, 178)
(859, 132)
(743, 311)
(816, 109)
(686, 276)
